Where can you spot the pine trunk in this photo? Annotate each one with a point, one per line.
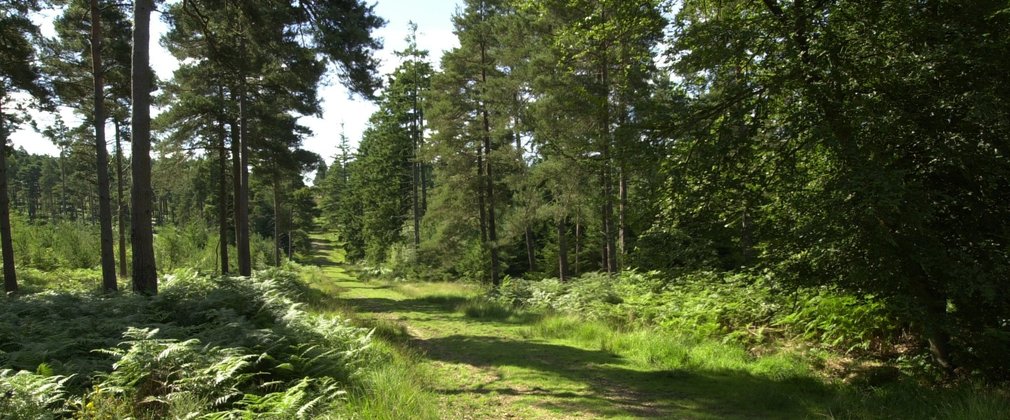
(10, 275)
(416, 180)
(481, 205)
(102, 154)
(562, 250)
(222, 193)
(622, 208)
(578, 244)
(531, 257)
(609, 236)
(242, 201)
(424, 175)
(145, 274)
(236, 177)
(120, 203)
(492, 235)
(277, 217)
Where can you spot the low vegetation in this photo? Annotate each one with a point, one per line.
(815, 348)
(218, 346)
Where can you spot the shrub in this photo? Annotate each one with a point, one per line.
(741, 307)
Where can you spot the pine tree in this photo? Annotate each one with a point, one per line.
(145, 274)
(18, 73)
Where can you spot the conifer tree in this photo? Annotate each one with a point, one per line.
(19, 72)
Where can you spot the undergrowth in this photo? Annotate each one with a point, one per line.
(706, 324)
(215, 347)
(750, 309)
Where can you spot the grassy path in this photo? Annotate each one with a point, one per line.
(495, 367)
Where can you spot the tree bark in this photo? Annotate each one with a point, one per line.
(6, 242)
(423, 170)
(622, 207)
(609, 236)
(145, 274)
(578, 244)
(120, 204)
(416, 174)
(242, 201)
(746, 239)
(481, 205)
(531, 258)
(236, 177)
(222, 190)
(562, 250)
(102, 154)
(277, 216)
(933, 318)
(492, 235)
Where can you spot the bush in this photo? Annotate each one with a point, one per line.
(738, 306)
(62, 244)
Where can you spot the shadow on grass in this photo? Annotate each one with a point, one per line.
(427, 304)
(724, 393)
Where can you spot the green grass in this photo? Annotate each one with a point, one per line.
(456, 354)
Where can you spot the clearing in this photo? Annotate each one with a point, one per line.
(494, 367)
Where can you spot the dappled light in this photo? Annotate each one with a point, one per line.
(488, 209)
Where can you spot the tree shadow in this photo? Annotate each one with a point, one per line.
(322, 248)
(427, 305)
(617, 389)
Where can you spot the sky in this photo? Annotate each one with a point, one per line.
(434, 21)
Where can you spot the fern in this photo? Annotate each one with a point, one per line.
(27, 395)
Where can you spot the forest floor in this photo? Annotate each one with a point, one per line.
(495, 368)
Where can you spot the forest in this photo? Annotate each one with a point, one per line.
(607, 208)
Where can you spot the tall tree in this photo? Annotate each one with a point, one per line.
(99, 33)
(878, 172)
(613, 41)
(19, 72)
(101, 152)
(145, 274)
(415, 76)
(461, 115)
(250, 39)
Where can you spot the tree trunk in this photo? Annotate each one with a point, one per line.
(102, 154)
(277, 217)
(481, 205)
(622, 207)
(242, 201)
(933, 304)
(609, 236)
(63, 184)
(416, 177)
(236, 177)
(6, 242)
(492, 235)
(578, 244)
(222, 191)
(562, 250)
(145, 274)
(120, 204)
(531, 257)
(746, 240)
(423, 170)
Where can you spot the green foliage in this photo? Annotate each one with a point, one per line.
(220, 346)
(27, 395)
(65, 244)
(738, 307)
(482, 308)
(189, 245)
